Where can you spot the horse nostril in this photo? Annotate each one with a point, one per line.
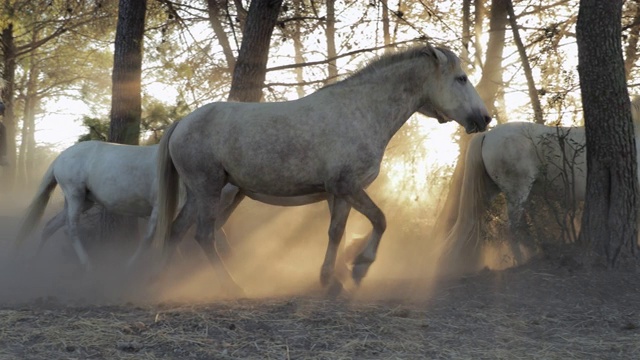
(487, 119)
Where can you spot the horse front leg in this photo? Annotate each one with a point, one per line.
(339, 209)
(363, 204)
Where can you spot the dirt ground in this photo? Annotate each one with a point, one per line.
(550, 308)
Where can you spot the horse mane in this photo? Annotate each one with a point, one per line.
(387, 59)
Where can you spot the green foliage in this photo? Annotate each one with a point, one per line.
(98, 129)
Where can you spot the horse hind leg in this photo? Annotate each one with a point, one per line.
(75, 200)
(363, 204)
(518, 235)
(50, 228)
(207, 211)
(339, 213)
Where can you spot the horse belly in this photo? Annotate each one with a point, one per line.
(133, 205)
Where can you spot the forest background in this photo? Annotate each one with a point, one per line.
(522, 56)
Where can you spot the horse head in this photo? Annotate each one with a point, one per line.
(453, 97)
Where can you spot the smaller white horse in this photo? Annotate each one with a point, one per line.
(516, 159)
(121, 178)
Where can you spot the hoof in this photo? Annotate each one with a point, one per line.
(334, 289)
(325, 278)
(358, 273)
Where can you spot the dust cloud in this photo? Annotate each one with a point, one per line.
(275, 252)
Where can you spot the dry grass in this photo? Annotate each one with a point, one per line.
(540, 311)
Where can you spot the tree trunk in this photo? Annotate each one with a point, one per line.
(492, 70)
(126, 101)
(8, 75)
(610, 216)
(126, 98)
(251, 67)
(531, 85)
(466, 34)
(213, 7)
(298, 48)
(631, 51)
(332, 67)
(386, 36)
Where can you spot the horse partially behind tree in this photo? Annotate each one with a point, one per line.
(331, 141)
(517, 159)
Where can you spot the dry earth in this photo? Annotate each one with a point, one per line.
(550, 308)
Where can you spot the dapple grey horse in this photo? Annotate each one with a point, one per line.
(331, 141)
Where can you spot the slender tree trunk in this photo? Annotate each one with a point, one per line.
(251, 67)
(213, 7)
(632, 46)
(609, 221)
(126, 96)
(492, 70)
(386, 36)
(332, 67)
(466, 34)
(531, 85)
(8, 96)
(479, 15)
(298, 48)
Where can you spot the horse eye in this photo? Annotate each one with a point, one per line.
(462, 79)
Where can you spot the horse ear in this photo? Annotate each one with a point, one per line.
(437, 54)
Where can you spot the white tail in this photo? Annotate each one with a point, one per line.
(37, 206)
(462, 242)
(168, 191)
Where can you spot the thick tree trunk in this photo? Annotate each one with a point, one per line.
(8, 75)
(126, 101)
(126, 98)
(251, 67)
(609, 222)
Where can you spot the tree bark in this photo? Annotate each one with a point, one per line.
(8, 75)
(126, 100)
(609, 223)
(250, 70)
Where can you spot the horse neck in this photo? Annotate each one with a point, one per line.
(393, 95)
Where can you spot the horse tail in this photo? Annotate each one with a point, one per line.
(37, 206)
(168, 189)
(462, 244)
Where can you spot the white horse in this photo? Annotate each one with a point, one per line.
(331, 141)
(516, 159)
